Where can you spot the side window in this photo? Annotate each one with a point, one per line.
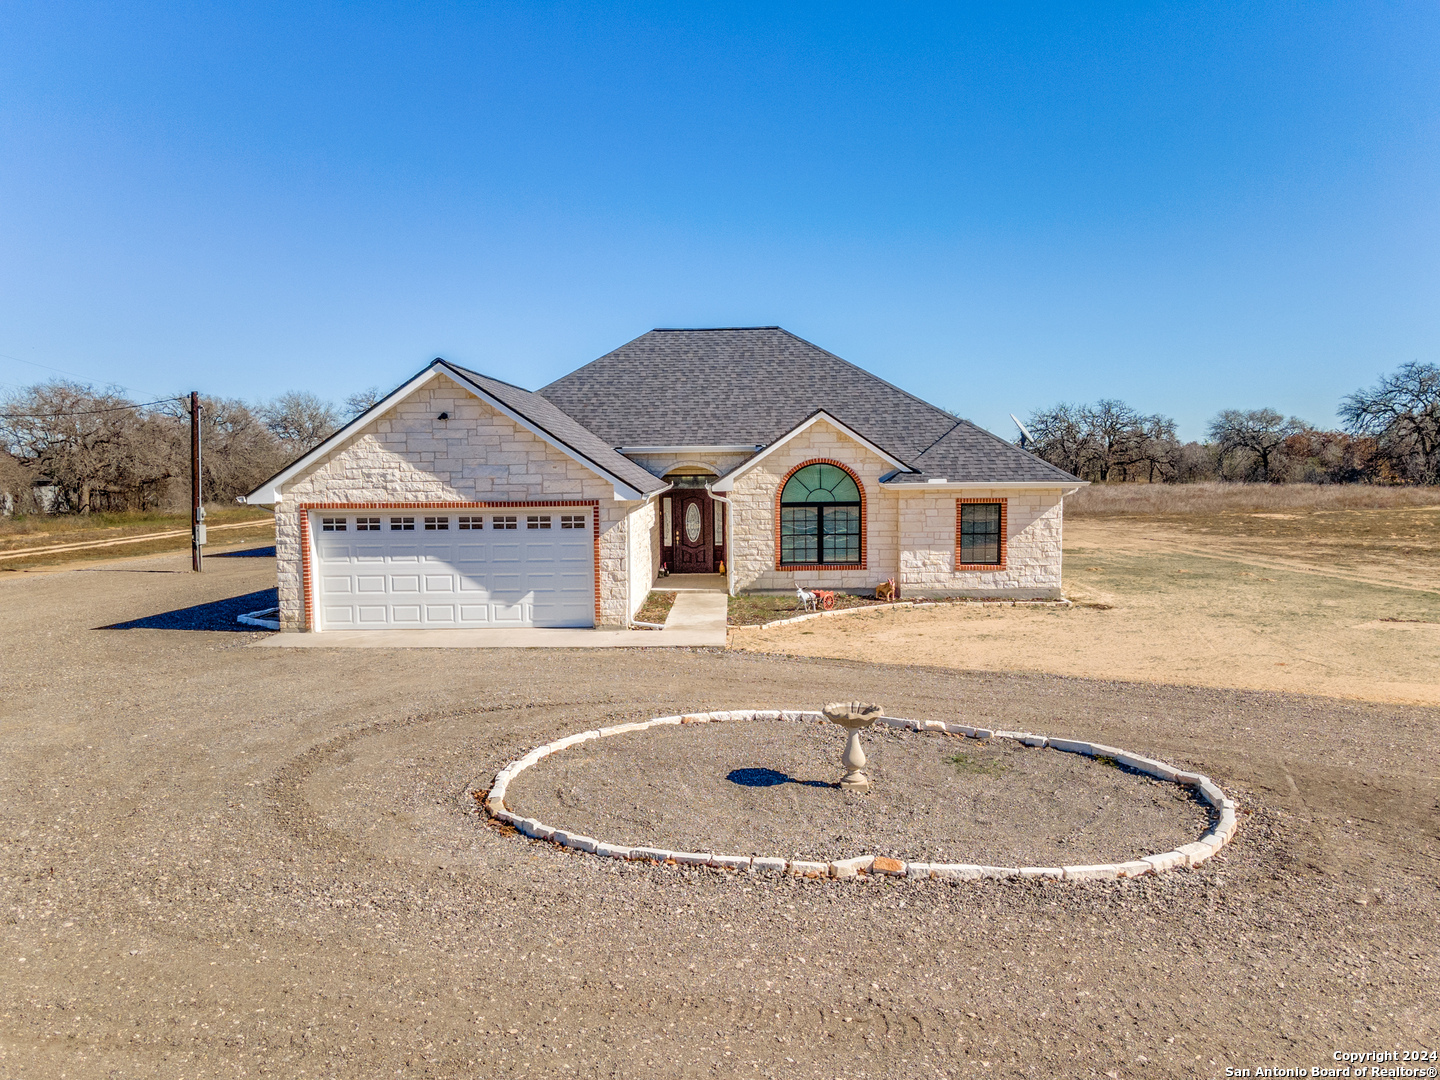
(437, 524)
(471, 521)
(503, 521)
(981, 537)
(572, 521)
(332, 524)
(402, 524)
(367, 524)
(537, 521)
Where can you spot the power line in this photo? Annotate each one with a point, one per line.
(62, 371)
(84, 412)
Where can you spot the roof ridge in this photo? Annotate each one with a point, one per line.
(707, 329)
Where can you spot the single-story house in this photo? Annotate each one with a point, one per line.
(463, 501)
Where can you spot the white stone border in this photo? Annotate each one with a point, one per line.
(1187, 855)
(964, 601)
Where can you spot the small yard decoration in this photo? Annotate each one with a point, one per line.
(854, 717)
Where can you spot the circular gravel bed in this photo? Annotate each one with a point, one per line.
(756, 790)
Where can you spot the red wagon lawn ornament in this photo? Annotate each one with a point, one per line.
(825, 598)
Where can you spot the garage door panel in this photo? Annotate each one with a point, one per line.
(476, 578)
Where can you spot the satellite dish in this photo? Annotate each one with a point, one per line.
(1026, 438)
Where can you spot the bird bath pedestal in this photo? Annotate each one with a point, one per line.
(854, 717)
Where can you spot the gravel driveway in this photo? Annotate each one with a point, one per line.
(221, 861)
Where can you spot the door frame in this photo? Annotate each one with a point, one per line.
(307, 540)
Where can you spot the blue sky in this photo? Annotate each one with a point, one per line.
(1189, 206)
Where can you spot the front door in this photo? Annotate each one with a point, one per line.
(693, 549)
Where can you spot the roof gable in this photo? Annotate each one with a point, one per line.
(535, 414)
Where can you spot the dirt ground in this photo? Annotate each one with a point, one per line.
(768, 788)
(218, 861)
(1342, 602)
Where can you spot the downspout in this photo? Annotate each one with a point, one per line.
(729, 533)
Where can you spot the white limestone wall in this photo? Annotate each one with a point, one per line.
(752, 553)
(1033, 530)
(643, 528)
(478, 455)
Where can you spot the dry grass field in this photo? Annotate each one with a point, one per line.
(1312, 590)
(40, 540)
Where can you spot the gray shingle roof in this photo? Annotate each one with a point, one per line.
(544, 414)
(751, 385)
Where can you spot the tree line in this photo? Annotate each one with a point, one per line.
(1389, 434)
(67, 447)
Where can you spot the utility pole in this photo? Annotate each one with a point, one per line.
(197, 511)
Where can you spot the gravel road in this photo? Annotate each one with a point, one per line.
(221, 861)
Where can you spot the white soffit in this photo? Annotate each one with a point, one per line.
(726, 482)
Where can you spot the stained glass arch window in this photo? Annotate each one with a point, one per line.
(821, 483)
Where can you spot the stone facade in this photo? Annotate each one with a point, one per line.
(909, 535)
(927, 555)
(752, 499)
(477, 455)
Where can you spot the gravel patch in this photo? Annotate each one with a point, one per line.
(767, 788)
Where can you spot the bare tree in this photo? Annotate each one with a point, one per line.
(1402, 413)
(98, 448)
(362, 400)
(1104, 441)
(299, 420)
(1256, 435)
(1061, 436)
(1116, 437)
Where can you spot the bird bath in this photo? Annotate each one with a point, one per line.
(854, 717)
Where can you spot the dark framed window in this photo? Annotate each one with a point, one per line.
(981, 539)
(820, 517)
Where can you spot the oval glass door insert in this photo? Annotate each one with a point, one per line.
(692, 523)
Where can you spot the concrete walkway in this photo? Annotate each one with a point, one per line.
(698, 613)
(696, 620)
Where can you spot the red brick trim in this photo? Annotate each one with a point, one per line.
(864, 519)
(307, 508)
(1004, 535)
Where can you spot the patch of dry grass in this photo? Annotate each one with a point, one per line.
(756, 610)
(1340, 601)
(1212, 498)
(656, 608)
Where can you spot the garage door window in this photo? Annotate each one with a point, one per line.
(332, 524)
(507, 521)
(537, 521)
(468, 523)
(572, 521)
(437, 524)
(367, 524)
(402, 524)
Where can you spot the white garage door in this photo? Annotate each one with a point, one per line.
(394, 569)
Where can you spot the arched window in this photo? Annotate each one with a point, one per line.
(820, 517)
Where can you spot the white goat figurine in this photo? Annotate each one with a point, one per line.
(806, 597)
